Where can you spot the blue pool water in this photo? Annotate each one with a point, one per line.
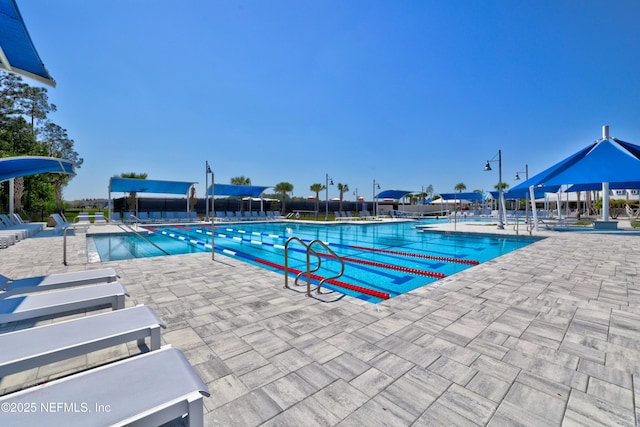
(388, 258)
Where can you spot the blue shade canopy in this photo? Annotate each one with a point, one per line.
(597, 187)
(129, 185)
(17, 52)
(237, 190)
(606, 160)
(13, 167)
(522, 193)
(461, 196)
(393, 194)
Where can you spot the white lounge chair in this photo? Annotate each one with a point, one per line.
(34, 228)
(8, 228)
(98, 218)
(6, 241)
(29, 306)
(60, 223)
(30, 348)
(27, 285)
(147, 390)
(9, 236)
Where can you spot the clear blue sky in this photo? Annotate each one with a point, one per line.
(409, 93)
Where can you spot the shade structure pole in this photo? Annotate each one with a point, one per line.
(110, 207)
(534, 212)
(12, 195)
(213, 249)
(605, 201)
(206, 189)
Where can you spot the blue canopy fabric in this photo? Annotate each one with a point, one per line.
(393, 194)
(13, 167)
(597, 187)
(17, 52)
(237, 190)
(461, 196)
(130, 185)
(523, 193)
(606, 160)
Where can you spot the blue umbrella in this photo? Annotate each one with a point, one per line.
(607, 161)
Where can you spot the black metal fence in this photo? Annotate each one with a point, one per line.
(148, 204)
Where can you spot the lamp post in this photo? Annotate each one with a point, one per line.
(374, 200)
(355, 193)
(207, 171)
(326, 196)
(213, 251)
(487, 167)
(526, 205)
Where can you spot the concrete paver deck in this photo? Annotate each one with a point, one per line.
(546, 335)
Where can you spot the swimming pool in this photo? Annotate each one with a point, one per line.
(387, 258)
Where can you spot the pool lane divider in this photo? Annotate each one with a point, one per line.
(390, 266)
(364, 248)
(348, 259)
(362, 290)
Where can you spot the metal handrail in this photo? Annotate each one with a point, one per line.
(119, 224)
(308, 270)
(324, 245)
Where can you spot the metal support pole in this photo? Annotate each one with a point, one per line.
(213, 248)
(500, 196)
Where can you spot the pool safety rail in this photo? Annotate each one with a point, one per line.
(309, 271)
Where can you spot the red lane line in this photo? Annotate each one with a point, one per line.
(366, 291)
(409, 254)
(390, 266)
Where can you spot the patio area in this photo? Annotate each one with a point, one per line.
(546, 335)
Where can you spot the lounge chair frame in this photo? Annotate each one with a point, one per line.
(146, 390)
(27, 285)
(22, 307)
(30, 348)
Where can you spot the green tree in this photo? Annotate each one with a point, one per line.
(20, 102)
(240, 180)
(460, 187)
(58, 144)
(317, 188)
(35, 104)
(283, 188)
(342, 188)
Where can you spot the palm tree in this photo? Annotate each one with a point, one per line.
(342, 188)
(505, 186)
(283, 188)
(241, 180)
(460, 187)
(317, 188)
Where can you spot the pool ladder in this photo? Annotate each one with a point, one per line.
(309, 271)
